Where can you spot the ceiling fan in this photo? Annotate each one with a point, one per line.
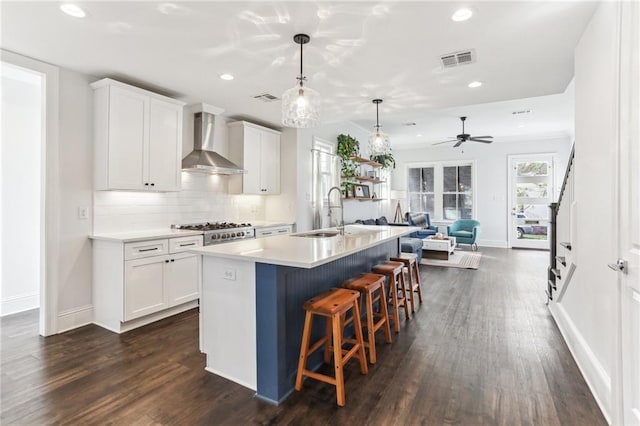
(464, 137)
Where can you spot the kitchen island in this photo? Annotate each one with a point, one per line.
(252, 295)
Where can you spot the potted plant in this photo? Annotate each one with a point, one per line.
(348, 147)
(387, 160)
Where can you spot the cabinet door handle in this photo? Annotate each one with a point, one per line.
(146, 184)
(173, 260)
(166, 261)
(149, 249)
(153, 184)
(283, 230)
(188, 244)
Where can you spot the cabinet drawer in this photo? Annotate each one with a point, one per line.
(436, 245)
(268, 232)
(143, 249)
(178, 245)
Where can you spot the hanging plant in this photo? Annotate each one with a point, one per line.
(387, 160)
(348, 147)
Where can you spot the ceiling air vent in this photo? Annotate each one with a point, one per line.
(455, 59)
(266, 97)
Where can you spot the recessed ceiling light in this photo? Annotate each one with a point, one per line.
(461, 15)
(73, 10)
(419, 135)
(475, 84)
(226, 77)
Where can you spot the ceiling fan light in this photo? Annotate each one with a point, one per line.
(475, 84)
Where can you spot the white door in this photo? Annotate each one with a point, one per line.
(127, 139)
(182, 276)
(165, 145)
(530, 193)
(270, 167)
(629, 213)
(144, 287)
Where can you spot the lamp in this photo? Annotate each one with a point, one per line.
(300, 104)
(398, 195)
(379, 143)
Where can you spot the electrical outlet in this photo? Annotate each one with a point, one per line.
(83, 213)
(229, 274)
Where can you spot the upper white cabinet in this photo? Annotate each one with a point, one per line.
(138, 138)
(257, 150)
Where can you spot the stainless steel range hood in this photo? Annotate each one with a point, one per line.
(203, 159)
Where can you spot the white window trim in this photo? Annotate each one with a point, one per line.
(438, 181)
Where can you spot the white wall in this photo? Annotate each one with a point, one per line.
(75, 190)
(491, 162)
(20, 189)
(586, 314)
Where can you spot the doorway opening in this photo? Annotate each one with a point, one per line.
(22, 190)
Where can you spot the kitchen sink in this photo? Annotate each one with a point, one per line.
(320, 234)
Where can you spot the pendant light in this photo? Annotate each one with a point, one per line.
(379, 143)
(300, 104)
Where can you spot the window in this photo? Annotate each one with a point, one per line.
(444, 190)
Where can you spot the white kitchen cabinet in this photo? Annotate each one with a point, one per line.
(257, 150)
(144, 286)
(137, 138)
(269, 231)
(139, 282)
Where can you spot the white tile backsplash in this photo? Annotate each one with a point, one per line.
(203, 198)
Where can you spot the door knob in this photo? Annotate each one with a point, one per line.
(620, 266)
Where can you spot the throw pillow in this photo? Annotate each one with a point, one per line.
(382, 221)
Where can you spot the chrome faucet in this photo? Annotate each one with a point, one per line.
(340, 227)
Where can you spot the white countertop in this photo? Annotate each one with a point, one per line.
(306, 252)
(152, 234)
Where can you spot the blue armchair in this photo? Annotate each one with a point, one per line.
(423, 221)
(466, 231)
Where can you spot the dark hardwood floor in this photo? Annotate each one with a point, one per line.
(482, 349)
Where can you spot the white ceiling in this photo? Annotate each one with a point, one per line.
(358, 51)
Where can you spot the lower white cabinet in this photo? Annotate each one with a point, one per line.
(269, 231)
(136, 283)
(159, 282)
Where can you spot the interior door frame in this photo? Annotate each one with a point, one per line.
(511, 236)
(625, 210)
(49, 196)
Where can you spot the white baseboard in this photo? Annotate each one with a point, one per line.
(594, 374)
(492, 243)
(74, 318)
(19, 303)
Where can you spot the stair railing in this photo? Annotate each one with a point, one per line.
(552, 273)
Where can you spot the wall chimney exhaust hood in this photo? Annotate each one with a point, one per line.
(203, 159)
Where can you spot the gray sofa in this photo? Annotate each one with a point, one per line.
(407, 244)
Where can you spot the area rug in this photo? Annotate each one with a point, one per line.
(461, 259)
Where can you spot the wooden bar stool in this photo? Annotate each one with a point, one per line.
(393, 270)
(368, 285)
(410, 261)
(333, 305)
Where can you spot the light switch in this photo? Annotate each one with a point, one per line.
(83, 213)
(229, 274)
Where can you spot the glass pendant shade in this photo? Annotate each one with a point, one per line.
(300, 107)
(300, 104)
(379, 143)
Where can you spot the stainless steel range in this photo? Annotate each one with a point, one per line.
(220, 232)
